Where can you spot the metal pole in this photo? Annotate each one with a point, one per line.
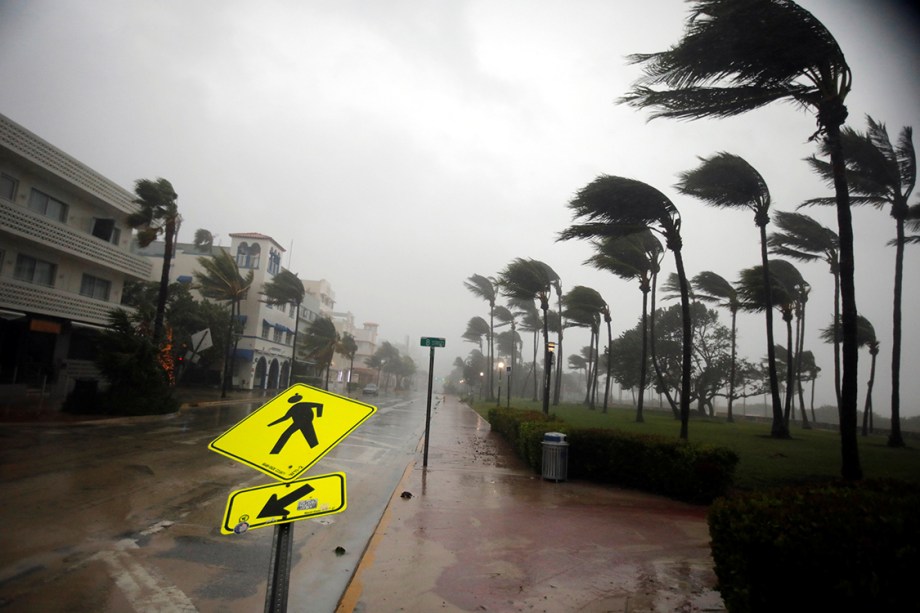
(279, 570)
(428, 410)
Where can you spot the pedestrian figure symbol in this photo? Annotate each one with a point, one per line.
(301, 416)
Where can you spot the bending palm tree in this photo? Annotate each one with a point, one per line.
(881, 175)
(476, 328)
(158, 214)
(867, 338)
(532, 280)
(320, 342)
(804, 239)
(348, 347)
(483, 287)
(611, 207)
(714, 289)
(221, 280)
(740, 55)
(286, 288)
(584, 308)
(727, 181)
(635, 256)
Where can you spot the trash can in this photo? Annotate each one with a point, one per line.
(555, 456)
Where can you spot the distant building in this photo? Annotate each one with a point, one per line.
(64, 258)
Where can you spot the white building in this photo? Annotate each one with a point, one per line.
(64, 257)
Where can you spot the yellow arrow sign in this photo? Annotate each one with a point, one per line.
(280, 503)
(291, 432)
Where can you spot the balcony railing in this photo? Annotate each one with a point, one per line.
(31, 298)
(26, 224)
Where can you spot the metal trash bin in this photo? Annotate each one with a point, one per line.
(555, 456)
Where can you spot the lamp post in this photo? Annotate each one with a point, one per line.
(508, 397)
(498, 399)
(481, 375)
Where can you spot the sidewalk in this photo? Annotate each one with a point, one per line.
(478, 531)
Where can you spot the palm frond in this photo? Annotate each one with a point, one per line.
(726, 180)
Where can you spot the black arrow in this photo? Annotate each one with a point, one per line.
(275, 506)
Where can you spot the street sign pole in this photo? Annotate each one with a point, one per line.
(279, 569)
(431, 343)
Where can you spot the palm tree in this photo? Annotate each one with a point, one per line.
(867, 338)
(476, 328)
(785, 281)
(714, 289)
(728, 181)
(508, 317)
(483, 287)
(740, 55)
(221, 280)
(348, 347)
(882, 175)
(286, 288)
(584, 308)
(321, 342)
(613, 206)
(532, 280)
(533, 323)
(633, 257)
(805, 240)
(158, 214)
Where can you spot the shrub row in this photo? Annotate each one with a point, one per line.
(842, 547)
(680, 470)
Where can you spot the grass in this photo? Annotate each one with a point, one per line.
(809, 456)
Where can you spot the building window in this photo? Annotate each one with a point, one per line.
(265, 328)
(8, 187)
(94, 287)
(277, 335)
(274, 262)
(247, 256)
(288, 338)
(106, 230)
(44, 204)
(291, 308)
(33, 270)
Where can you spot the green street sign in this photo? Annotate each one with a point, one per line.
(429, 341)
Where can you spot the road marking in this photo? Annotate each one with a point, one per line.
(147, 592)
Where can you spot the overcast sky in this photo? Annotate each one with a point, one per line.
(396, 148)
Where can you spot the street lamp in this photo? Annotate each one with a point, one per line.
(498, 399)
(508, 393)
(481, 375)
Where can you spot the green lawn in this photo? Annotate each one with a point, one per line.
(810, 455)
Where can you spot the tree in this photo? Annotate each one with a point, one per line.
(529, 280)
(348, 347)
(508, 317)
(740, 55)
(321, 342)
(632, 257)
(728, 181)
(805, 240)
(286, 288)
(584, 307)
(221, 280)
(867, 338)
(882, 175)
(204, 240)
(158, 214)
(483, 287)
(613, 206)
(476, 328)
(714, 289)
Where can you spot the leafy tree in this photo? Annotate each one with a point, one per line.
(285, 288)
(158, 214)
(220, 280)
(805, 240)
(204, 240)
(728, 181)
(882, 175)
(714, 289)
(584, 308)
(321, 342)
(386, 359)
(613, 206)
(635, 256)
(530, 280)
(740, 55)
(484, 288)
(476, 328)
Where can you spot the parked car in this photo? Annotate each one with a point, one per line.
(369, 390)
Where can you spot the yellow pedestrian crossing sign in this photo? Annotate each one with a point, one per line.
(283, 502)
(291, 432)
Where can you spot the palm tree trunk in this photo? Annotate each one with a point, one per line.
(534, 364)
(643, 366)
(547, 367)
(894, 438)
(779, 428)
(867, 413)
(799, 349)
(557, 386)
(609, 359)
(850, 468)
(836, 272)
(294, 343)
(491, 350)
(169, 238)
(652, 350)
(790, 369)
(686, 363)
(731, 381)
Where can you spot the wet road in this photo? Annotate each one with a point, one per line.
(125, 516)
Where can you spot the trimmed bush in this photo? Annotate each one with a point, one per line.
(840, 547)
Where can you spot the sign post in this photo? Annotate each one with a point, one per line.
(283, 438)
(431, 342)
